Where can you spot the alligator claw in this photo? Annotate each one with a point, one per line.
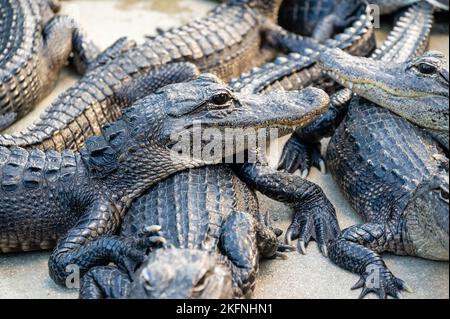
(319, 223)
(302, 247)
(300, 155)
(379, 280)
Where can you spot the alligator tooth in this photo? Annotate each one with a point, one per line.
(350, 85)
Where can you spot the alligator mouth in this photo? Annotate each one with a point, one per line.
(360, 75)
(285, 110)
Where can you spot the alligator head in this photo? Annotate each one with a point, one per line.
(426, 214)
(417, 90)
(173, 273)
(149, 137)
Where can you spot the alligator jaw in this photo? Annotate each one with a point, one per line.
(397, 87)
(274, 109)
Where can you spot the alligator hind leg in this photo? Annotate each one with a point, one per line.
(121, 46)
(357, 250)
(106, 282)
(63, 37)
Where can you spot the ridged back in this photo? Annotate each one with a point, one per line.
(191, 206)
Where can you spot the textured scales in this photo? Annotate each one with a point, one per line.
(34, 45)
(396, 177)
(226, 42)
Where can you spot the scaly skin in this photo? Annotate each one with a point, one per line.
(226, 42)
(35, 44)
(390, 6)
(212, 241)
(417, 90)
(213, 231)
(392, 173)
(299, 69)
(302, 151)
(96, 186)
(396, 178)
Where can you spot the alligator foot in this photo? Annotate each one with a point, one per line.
(138, 246)
(319, 223)
(379, 280)
(300, 155)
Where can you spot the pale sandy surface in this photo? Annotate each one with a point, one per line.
(310, 276)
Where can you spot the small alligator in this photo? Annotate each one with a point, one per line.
(417, 90)
(34, 46)
(84, 196)
(214, 233)
(395, 177)
(214, 43)
(302, 151)
(213, 236)
(226, 42)
(392, 172)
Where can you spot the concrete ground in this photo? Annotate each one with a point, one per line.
(311, 276)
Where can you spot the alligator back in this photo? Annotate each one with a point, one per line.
(226, 42)
(21, 53)
(378, 159)
(191, 206)
(35, 215)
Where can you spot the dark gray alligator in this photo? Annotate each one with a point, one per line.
(417, 90)
(302, 151)
(93, 189)
(394, 173)
(213, 231)
(34, 46)
(210, 220)
(396, 177)
(227, 42)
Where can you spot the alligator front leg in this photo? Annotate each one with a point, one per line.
(92, 243)
(357, 250)
(106, 282)
(62, 36)
(303, 149)
(315, 216)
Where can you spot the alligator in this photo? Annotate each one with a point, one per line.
(396, 177)
(302, 150)
(82, 197)
(393, 172)
(35, 43)
(212, 43)
(417, 90)
(225, 42)
(213, 233)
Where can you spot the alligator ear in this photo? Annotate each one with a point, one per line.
(99, 157)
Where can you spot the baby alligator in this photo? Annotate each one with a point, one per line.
(34, 46)
(214, 43)
(393, 173)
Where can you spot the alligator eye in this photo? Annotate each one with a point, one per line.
(221, 98)
(444, 194)
(426, 68)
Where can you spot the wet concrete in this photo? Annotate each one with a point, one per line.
(311, 276)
